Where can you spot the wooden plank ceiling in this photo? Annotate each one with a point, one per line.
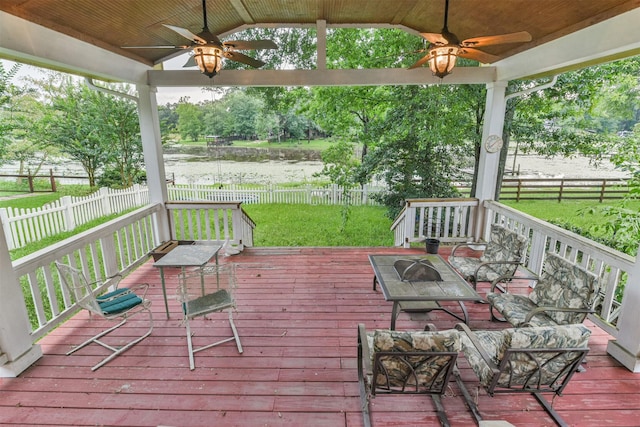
(111, 24)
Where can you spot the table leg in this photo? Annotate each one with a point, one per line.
(164, 291)
(394, 314)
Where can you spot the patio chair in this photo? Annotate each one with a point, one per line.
(119, 304)
(203, 292)
(532, 360)
(501, 256)
(394, 362)
(564, 294)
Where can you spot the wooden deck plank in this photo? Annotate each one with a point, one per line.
(298, 310)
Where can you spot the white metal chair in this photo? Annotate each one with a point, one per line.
(119, 304)
(206, 291)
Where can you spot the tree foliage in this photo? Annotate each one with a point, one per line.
(8, 121)
(98, 130)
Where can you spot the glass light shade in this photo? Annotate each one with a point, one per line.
(209, 59)
(442, 59)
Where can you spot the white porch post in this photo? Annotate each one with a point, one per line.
(17, 351)
(489, 162)
(152, 148)
(626, 348)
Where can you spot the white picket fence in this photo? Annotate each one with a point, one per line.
(23, 226)
(311, 195)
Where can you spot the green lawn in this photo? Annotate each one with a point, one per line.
(579, 213)
(319, 225)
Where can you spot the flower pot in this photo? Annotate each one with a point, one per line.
(432, 246)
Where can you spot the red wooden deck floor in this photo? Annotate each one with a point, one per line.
(298, 309)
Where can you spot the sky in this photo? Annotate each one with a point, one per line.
(165, 94)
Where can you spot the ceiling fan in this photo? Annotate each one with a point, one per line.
(445, 47)
(208, 51)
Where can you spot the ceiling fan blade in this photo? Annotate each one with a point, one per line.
(186, 34)
(434, 38)
(420, 62)
(520, 37)
(250, 44)
(477, 55)
(239, 57)
(191, 62)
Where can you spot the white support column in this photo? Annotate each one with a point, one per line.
(489, 162)
(152, 148)
(626, 348)
(17, 351)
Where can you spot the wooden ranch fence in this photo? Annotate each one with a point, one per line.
(37, 183)
(564, 189)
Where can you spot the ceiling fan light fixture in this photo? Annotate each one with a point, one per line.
(442, 59)
(208, 59)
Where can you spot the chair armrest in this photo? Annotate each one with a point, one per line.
(364, 352)
(143, 287)
(508, 277)
(107, 280)
(540, 310)
(468, 244)
(476, 343)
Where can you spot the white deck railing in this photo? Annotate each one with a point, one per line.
(117, 246)
(448, 220)
(216, 222)
(611, 266)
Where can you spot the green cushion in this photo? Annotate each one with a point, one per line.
(118, 301)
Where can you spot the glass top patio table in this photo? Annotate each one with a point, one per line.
(183, 256)
(421, 295)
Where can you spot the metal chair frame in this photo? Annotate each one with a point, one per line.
(371, 367)
(538, 357)
(84, 293)
(203, 303)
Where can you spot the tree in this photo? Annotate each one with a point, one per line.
(121, 128)
(190, 124)
(168, 118)
(244, 111)
(423, 144)
(8, 121)
(98, 130)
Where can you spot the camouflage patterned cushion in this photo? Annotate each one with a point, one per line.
(565, 285)
(523, 365)
(493, 342)
(519, 371)
(515, 308)
(426, 368)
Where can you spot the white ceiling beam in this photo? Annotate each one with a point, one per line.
(367, 77)
(23, 41)
(616, 38)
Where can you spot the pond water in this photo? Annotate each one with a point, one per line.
(188, 169)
